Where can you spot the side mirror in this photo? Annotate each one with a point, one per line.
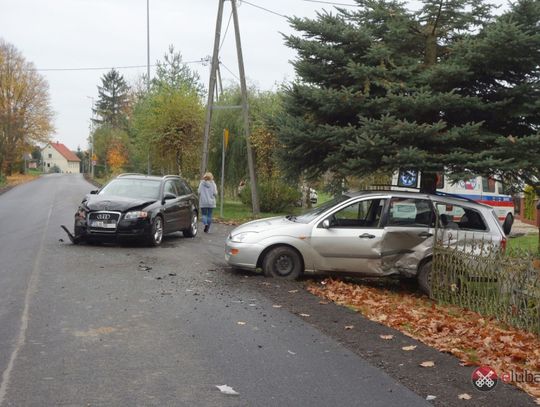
(326, 224)
(94, 192)
(168, 196)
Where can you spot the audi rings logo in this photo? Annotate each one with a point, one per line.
(484, 378)
(103, 216)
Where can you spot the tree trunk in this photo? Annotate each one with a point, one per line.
(430, 57)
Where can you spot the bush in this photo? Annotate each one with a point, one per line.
(274, 196)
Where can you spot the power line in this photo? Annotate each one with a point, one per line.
(231, 72)
(226, 31)
(104, 67)
(265, 9)
(331, 2)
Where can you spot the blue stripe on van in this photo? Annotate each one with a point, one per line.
(486, 197)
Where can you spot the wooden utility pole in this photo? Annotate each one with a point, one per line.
(245, 112)
(211, 88)
(214, 71)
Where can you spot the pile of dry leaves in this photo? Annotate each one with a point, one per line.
(474, 339)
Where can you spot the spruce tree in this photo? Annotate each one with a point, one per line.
(447, 87)
(112, 103)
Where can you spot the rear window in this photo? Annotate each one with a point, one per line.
(410, 212)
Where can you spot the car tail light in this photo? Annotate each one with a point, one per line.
(503, 244)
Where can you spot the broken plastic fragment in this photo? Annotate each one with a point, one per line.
(227, 390)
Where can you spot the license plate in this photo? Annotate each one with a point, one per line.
(101, 224)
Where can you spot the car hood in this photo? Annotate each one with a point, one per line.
(114, 203)
(265, 225)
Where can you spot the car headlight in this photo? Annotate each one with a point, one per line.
(136, 215)
(81, 213)
(240, 237)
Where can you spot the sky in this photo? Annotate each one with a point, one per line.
(60, 34)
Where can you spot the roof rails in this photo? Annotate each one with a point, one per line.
(125, 174)
(455, 196)
(381, 187)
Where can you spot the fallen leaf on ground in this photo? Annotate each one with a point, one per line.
(411, 347)
(227, 390)
(276, 306)
(473, 338)
(349, 326)
(305, 315)
(241, 323)
(293, 291)
(323, 302)
(386, 337)
(464, 396)
(427, 363)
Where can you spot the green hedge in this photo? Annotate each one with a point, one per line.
(274, 196)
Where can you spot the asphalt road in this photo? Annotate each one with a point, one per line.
(136, 326)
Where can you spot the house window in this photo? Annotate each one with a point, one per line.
(50, 155)
(48, 165)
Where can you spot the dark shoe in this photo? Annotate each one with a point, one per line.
(206, 227)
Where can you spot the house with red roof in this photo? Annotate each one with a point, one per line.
(57, 157)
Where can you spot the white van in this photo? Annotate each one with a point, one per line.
(479, 189)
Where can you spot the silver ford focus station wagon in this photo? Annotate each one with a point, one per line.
(374, 233)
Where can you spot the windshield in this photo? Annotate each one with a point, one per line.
(132, 188)
(313, 213)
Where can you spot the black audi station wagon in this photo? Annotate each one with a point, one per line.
(140, 207)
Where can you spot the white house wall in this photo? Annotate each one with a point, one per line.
(52, 157)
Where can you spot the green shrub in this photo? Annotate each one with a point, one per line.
(274, 196)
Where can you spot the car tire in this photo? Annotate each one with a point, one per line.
(283, 262)
(156, 232)
(192, 231)
(424, 278)
(507, 224)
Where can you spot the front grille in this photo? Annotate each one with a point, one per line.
(103, 221)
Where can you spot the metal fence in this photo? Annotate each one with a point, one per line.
(475, 274)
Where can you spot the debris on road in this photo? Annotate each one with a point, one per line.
(430, 397)
(464, 396)
(74, 239)
(408, 348)
(427, 363)
(386, 337)
(228, 390)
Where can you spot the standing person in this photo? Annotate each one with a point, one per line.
(207, 199)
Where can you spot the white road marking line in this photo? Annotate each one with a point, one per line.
(31, 289)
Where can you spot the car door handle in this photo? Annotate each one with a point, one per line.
(367, 236)
(425, 234)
